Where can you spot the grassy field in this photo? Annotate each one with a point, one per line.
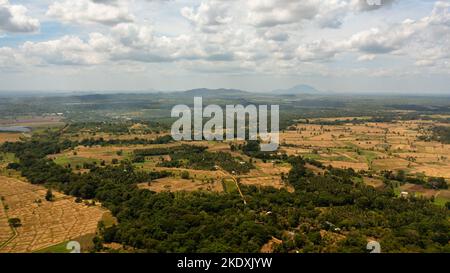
(75, 160)
(59, 248)
(229, 185)
(441, 201)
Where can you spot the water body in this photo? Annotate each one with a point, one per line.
(20, 129)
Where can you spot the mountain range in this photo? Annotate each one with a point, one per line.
(301, 89)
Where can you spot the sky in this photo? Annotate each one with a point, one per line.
(357, 46)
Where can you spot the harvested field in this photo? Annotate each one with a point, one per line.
(436, 170)
(6, 232)
(376, 183)
(94, 153)
(347, 165)
(270, 169)
(271, 181)
(266, 175)
(10, 137)
(390, 164)
(370, 146)
(418, 190)
(43, 223)
(178, 184)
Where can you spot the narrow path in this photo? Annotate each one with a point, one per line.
(349, 157)
(236, 182)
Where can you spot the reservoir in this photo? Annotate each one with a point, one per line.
(20, 129)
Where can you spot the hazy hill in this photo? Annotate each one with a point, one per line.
(301, 89)
(204, 92)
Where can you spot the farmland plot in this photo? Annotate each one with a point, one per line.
(43, 223)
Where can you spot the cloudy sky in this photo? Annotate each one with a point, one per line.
(340, 45)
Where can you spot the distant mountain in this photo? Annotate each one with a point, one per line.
(204, 92)
(301, 89)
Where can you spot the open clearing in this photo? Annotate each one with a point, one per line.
(43, 223)
(376, 183)
(418, 190)
(441, 197)
(178, 184)
(266, 175)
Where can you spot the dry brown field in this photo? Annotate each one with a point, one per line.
(374, 182)
(43, 223)
(6, 231)
(418, 190)
(370, 146)
(266, 175)
(10, 137)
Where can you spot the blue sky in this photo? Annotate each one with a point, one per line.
(402, 46)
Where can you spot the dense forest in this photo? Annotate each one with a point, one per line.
(329, 212)
(441, 134)
(115, 127)
(89, 142)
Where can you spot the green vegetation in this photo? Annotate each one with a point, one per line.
(443, 202)
(76, 162)
(195, 157)
(334, 201)
(8, 157)
(59, 248)
(229, 186)
(185, 175)
(441, 134)
(401, 177)
(252, 148)
(212, 222)
(136, 141)
(14, 222)
(49, 195)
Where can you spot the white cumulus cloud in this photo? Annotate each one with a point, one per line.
(105, 12)
(14, 18)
